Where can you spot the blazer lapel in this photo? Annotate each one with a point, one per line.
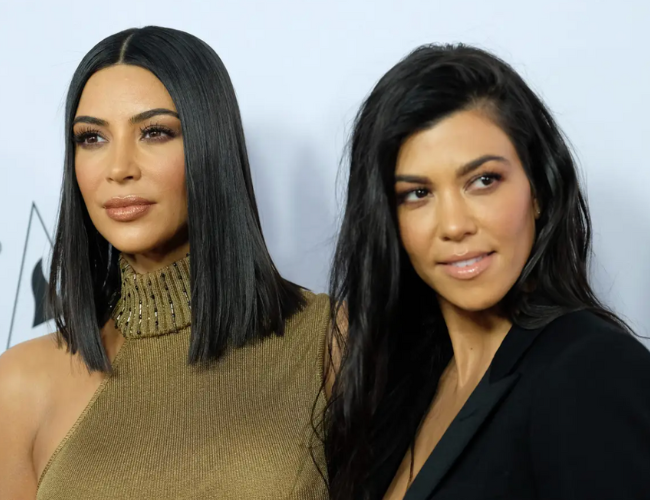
(468, 421)
(497, 382)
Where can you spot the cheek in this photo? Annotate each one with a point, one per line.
(513, 226)
(173, 177)
(89, 178)
(416, 231)
(169, 175)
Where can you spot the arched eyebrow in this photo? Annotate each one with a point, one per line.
(145, 115)
(151, 113)
(461, 171)
(469, 167)
(91, 120)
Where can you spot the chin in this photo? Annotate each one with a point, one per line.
(132, 249)
(473, 303)
(146, 242)
(476, 306)
(133, 245)
(135, 237)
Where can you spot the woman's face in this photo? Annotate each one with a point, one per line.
(129, 162)
(465, 210)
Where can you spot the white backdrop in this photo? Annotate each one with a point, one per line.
(301, 69)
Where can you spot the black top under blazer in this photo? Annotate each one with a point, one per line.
(563, 413)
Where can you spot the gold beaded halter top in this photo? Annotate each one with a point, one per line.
(158, 428)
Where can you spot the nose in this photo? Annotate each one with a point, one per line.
(455, 220)
(123, 163)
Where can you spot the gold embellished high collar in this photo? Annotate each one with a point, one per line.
(155, 303)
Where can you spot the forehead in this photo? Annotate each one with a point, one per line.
(455, 140)
(123, 91)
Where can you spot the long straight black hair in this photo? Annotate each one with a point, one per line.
(237, 293)
(397, 344)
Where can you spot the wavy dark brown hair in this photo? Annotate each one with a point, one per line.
(397, 344)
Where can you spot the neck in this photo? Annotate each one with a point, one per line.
(154, 260)
(475, 338)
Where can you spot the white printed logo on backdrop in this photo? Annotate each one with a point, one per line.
(29, 316)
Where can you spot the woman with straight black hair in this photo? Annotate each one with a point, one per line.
(476, 361)
(166, 379)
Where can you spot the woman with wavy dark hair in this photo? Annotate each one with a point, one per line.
(174, 377)
(476, 361)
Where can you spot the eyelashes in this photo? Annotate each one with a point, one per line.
(82, 136)
(493, 177)
(157, 128)
(480, 184)
(418, 193)
(91, 137)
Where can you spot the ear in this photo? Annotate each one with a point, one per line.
(538, 210)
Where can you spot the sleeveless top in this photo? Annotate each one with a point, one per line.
(158, 428)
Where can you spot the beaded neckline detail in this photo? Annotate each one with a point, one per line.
(155, 303)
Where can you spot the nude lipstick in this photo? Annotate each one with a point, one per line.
(127, 208)
(468, 266)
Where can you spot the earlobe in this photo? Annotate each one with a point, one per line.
(538, 210)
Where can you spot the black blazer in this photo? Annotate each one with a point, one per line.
(563, 413)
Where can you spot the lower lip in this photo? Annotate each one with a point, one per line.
(127, 214)
(471, 271)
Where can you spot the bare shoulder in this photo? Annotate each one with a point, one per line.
(25, 379)
(34, 372)
(27, 362)
(29, 375)
(36, 356)
(26, 371)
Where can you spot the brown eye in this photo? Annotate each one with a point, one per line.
(157, 133)
(485, 181)
(414, 195)
(88, 138)
(154, 133)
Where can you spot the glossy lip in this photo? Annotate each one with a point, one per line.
(471, 271)
(465, 256)
(127, 208)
